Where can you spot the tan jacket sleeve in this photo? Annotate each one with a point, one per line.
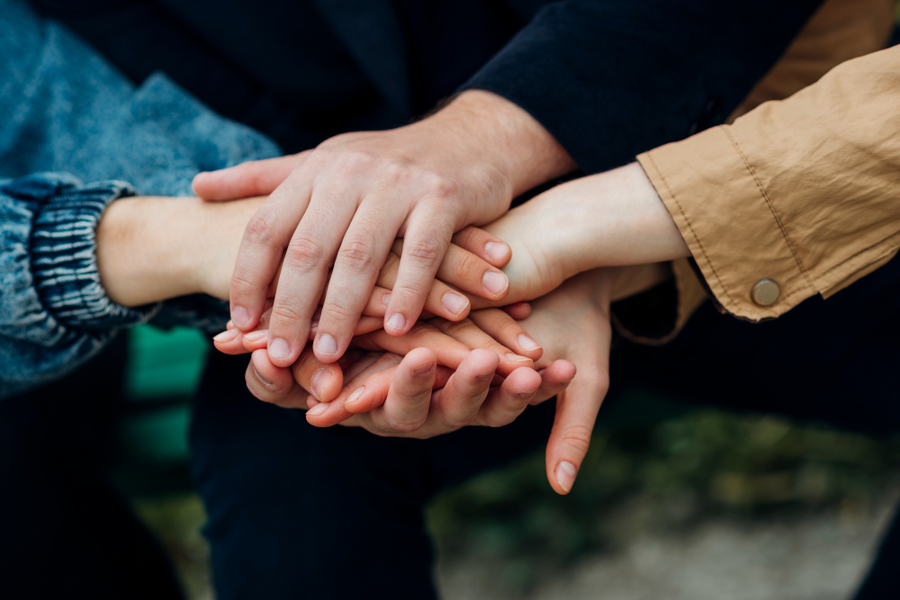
(796, 198)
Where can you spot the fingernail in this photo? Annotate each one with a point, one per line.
(525, 395)
(496, 283)
(279, 348)
(385, 299)
(326, 344)
(260, 377)
(226, 336)
(565, 475)
(496, 250)
(240, 316)
(516, 357)
(484, 376)
(526, 343)
(320, 379)
(255, 336)
(423, 370)
(356, 395)
(318, 409)
(397, 322)
(455, 303)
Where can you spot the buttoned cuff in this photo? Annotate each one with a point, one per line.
(724, 215)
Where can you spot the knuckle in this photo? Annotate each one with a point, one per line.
(501, 421)
(507, 328)
(467, 237)
(454, 328)
(424, 251)
(242, 281)
(442, 187)
(405, 424)
(578, 438)
(259, 228)
(336, 312)
(304, 251)
(468, 269)
(453, 422)
(357, 254)
(603, 383)
(285, 313)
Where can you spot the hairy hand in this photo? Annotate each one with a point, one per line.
(346, 201)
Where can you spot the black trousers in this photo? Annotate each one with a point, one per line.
(65, 530)
(300, 512)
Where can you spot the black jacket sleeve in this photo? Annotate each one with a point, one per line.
(613, 78)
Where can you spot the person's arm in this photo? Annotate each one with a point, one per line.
(611, 79)
(76, 267)
(797, 197)
(577, 71)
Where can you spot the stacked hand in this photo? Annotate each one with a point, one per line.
(389, 211)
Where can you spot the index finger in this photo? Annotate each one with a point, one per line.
(262, 247)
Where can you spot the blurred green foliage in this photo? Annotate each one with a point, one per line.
(678, 471)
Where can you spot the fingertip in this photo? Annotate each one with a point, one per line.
(496, 283)
(527, 381)
(395, 324)
(561, 371)
(280, 352)
(325, 347)
(255, 340)
(241, 318)
(483, 359)
(226, 336)
(497, 252)
(456, 306)
(564, 474)
(198, 184)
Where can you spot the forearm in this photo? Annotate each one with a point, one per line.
(155, 248)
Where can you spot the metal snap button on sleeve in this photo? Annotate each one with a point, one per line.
(765, 292)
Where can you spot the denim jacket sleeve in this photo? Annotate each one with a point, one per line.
(55, 314)
(67, 115)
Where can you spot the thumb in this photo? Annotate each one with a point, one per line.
(576, 412)
(255, 178)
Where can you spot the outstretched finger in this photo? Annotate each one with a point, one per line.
(361, 254)
(254, 178)
(461, 268)
(426, 239)
(576, 412)
(303, 275)
(483, 244)
(501, 326)
(262, 249)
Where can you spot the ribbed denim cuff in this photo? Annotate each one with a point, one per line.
(63, 251)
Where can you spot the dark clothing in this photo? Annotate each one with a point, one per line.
(296, 511)
(609, 79)
(316, 505)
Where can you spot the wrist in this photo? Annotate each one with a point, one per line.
(614, 218)
(502, 134)
(138, 256)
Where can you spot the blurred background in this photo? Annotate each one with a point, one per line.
(669, 504)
